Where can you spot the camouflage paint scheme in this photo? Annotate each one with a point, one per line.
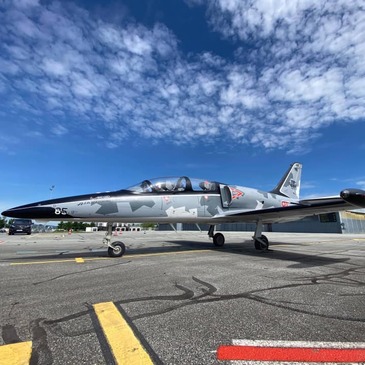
(183, 199)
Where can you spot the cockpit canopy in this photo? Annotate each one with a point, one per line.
(174, 185)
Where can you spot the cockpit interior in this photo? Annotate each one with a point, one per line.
(175, 185)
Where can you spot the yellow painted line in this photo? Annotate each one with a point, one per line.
(131, 256)
(125, 346)
(16, 353)
(79, 260)
(358, 239)
(56, 261)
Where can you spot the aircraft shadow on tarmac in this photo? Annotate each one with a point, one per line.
(301, 260)
(245, 248)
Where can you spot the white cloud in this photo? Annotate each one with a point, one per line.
(7, 142)
(298, 68)
(54, 68)
(59, 130)
(136, 44)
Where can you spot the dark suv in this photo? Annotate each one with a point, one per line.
(21, 226)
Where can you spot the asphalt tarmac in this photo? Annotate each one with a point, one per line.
(175, 299)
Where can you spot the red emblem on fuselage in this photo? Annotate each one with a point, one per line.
(236, 193)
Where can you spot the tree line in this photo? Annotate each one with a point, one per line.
(75, 226)
(3, 223)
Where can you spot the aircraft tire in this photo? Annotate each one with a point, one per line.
(259, 245)
(118, 249)
(218, 240)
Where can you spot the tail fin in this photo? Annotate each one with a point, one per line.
(289, 185)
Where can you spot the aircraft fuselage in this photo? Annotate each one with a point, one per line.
(187, 205)
(186, 200)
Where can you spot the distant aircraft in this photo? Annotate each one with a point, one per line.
(186, 200)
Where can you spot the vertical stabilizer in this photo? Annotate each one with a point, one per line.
(289, 185)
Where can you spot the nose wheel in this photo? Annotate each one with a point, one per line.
(117, 249)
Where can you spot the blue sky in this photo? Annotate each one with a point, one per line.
(98, 96)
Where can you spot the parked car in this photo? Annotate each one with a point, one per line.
(21, 226)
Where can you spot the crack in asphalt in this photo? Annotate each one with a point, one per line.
(79, 272)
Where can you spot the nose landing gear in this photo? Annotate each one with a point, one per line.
(115, 249)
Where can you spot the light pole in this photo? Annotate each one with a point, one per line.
(51, 190)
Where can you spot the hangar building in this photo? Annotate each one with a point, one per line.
(347, 222)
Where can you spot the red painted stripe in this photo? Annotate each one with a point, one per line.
(294, 354)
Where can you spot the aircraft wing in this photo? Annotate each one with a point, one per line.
(348, 199)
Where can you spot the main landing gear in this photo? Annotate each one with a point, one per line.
(218, 238)
(115, 249)
(260, 241)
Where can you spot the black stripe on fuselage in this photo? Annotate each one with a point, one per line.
(69, 199)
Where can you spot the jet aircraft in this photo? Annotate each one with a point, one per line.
(189, 200)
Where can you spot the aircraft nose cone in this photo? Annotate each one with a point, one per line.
(30, 212)
(16, 213)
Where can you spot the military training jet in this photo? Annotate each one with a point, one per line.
(187, 200)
